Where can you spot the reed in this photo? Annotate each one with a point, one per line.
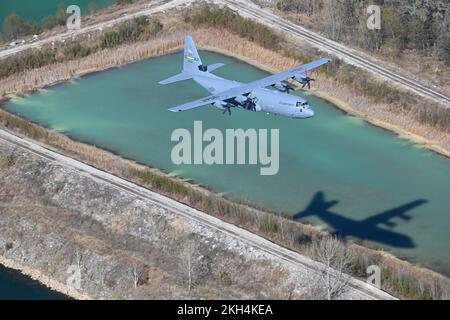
(400, 278)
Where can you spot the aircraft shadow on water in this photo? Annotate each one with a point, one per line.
(367, 229)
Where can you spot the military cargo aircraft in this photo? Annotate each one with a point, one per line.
(254, 96)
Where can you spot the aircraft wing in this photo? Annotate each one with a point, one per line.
(399, 212)
(247, 88)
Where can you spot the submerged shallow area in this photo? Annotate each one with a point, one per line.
(336, 171)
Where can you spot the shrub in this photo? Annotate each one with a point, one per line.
(226, 18)
(269, 225)
(127, 32)
(29, 60)
(7, 161)
(76, 51)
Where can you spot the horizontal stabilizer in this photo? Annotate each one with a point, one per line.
(176, 78)
(215, 66)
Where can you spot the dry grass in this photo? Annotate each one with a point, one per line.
(7, 161)
(402, 278)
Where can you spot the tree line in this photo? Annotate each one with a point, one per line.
(15, 26)
(225, 18)
(421, 25)
(137, 29)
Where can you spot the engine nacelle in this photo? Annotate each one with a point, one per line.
(300, 78)
(220, 105)
(241, 99)
(281, 86)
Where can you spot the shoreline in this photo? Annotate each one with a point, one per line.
(339, 104)
(172, 45)
(344, 106)
(43, 279)
(57, 286)
(391, 261)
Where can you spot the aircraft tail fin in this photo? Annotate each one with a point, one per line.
(191, 59)
(192, 64)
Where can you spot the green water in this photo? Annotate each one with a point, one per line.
(36, 10)
(335, 171)
(14, 285)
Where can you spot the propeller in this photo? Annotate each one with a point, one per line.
(227, 108)
(283, 86)
(250, 104)
(247, 102)
(307, 81)
(224, 106)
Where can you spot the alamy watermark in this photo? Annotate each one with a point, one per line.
(73, 22)
(374, 20)
(374, 275)
(234, 147)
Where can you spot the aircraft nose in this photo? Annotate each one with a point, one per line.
(304, 114)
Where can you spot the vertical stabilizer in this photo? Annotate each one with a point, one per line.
(191, 58)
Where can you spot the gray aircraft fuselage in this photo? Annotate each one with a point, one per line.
(270, 101)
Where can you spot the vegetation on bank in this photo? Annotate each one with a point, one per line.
(137, 29)
(226, 18)
(134, 30)
(399, 278)
(384, 92)
(27, 61)
(15, 26)
(361, 81)
(419, 25)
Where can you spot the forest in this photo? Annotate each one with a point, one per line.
(14, 26)
(136, 29)
(419, 25)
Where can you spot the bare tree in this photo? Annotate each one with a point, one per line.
(137, 273)
(188, 263)
(78, 257)
(286, 290)
(333, 263)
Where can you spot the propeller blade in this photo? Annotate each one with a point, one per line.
(227, 109)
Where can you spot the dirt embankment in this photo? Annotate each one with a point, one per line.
(55, 221)
(169, 41)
